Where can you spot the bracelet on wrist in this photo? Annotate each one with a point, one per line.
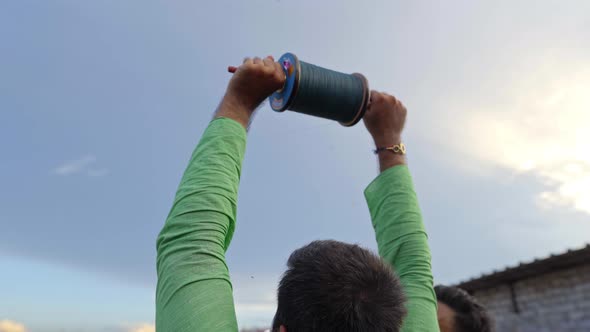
(397, 149)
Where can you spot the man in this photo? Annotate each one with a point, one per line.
(460, 312)
(329, 285)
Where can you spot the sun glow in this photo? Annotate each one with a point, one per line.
(545, 131)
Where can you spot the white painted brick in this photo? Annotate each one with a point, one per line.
(558, 301)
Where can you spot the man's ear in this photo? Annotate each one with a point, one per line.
(282, 329)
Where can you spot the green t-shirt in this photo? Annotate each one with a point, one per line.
(194, 291)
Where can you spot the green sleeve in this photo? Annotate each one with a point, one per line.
(194, 291)
(402, 241)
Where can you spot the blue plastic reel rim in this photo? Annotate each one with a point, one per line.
(282, 99)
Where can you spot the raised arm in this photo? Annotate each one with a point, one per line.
(194, 291)
(396, 216)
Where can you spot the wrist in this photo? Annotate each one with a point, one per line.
(386, 140)
(232, 108)
(388, 159)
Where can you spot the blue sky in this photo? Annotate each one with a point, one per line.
(102, 102)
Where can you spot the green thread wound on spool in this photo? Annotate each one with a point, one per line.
(328, 94)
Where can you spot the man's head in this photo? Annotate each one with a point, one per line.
(460, 312)
(335, 286)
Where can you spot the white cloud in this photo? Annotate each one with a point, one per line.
(255, 314)
(255, 298)
(541, 128)
(145, 327)
(75, 166)
(81, 165)
(11, 326)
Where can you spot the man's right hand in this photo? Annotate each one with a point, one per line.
(251, 83)
(385, 120)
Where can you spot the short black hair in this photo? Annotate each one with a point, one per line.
(335, 286)
(470, 315)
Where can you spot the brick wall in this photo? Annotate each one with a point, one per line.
(553, 302)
